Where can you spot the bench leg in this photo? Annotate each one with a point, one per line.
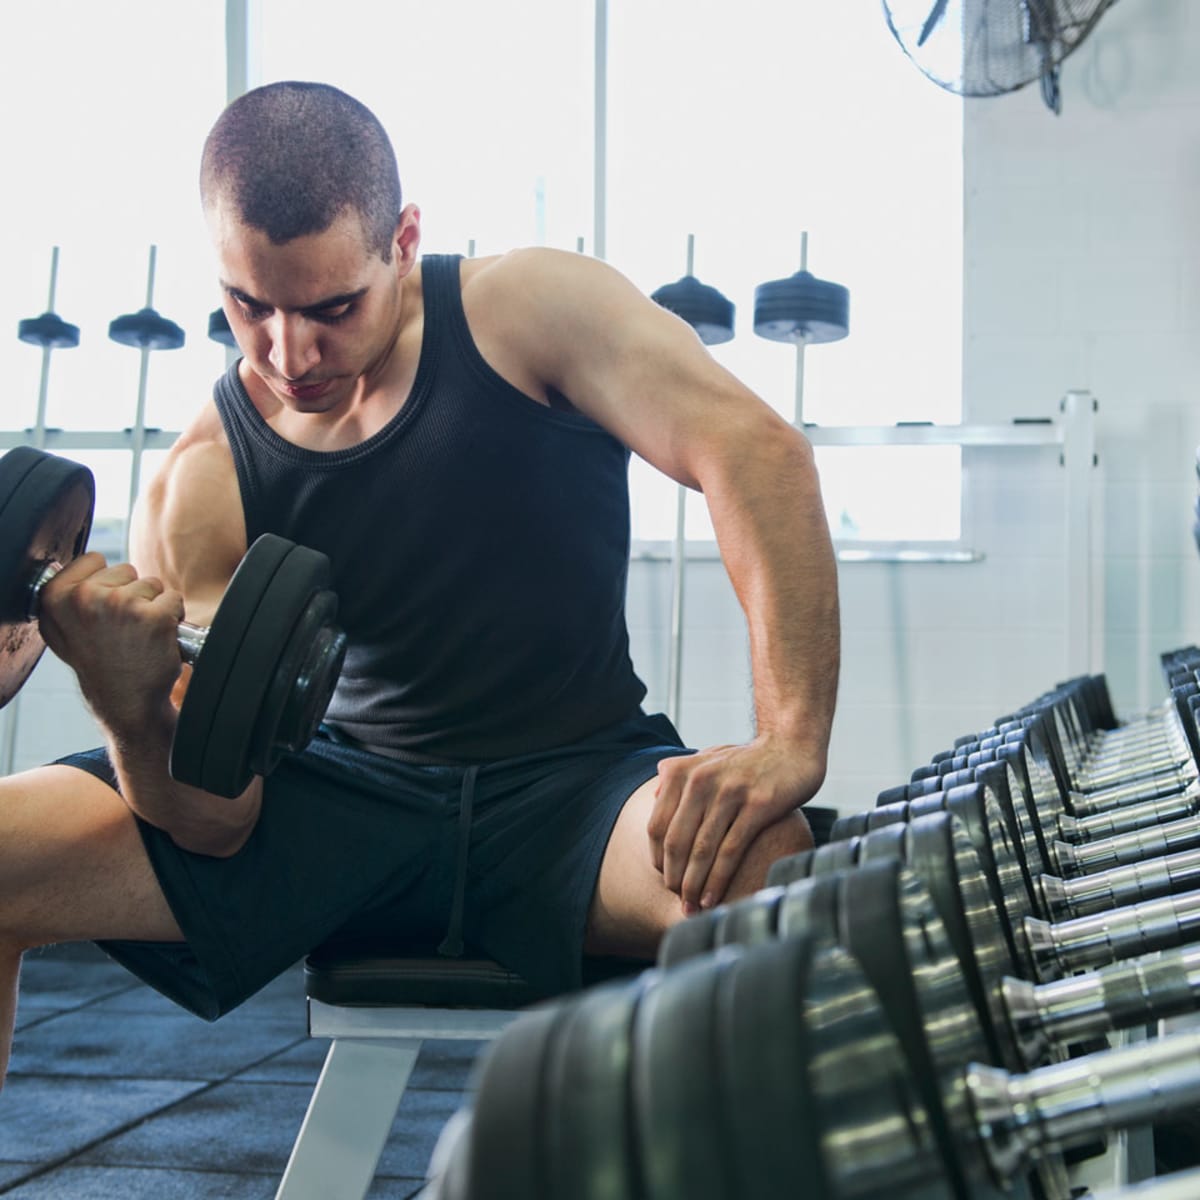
(348, 1119)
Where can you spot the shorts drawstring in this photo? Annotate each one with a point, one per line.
(452, 943)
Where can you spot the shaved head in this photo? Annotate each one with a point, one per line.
(290, 158)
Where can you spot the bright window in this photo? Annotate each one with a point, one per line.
(106, 108)
(745, 125)
(489, 106)
(748, 125)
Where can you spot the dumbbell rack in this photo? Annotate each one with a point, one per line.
(897, 1013)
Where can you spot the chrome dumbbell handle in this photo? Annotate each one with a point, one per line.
(1138, 846)
(1119, 996)
(1020, 1118)
(1062, 948)
(1117, 821)
(191, 637)
(1063, 899)
(1129, 790)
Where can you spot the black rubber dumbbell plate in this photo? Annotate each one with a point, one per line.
(231, 749)
(676, 1114)
(212, 668)
(585, 1134)
(507, 1156)
(46, 505)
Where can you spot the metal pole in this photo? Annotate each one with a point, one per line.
(600, 143)
(1079, 458)
(243, 67)
(12, 719)
(675, 657)
(678, 564)
(800, 344)
(139, 420)
(39, 424)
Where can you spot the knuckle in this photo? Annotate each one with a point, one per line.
(674, 845)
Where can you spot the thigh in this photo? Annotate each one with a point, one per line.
(632, 907)
(72, 863)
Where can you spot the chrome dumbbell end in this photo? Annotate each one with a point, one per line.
(1021, 1118)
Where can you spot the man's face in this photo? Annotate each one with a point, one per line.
(312, 316)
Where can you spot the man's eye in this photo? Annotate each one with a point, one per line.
(331, 316)
(252, 312)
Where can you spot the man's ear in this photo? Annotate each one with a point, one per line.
(407, 238)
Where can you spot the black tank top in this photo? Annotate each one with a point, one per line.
(480, 548)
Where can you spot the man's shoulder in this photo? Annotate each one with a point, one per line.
(529, 272)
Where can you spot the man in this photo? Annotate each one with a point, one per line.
(454, 435)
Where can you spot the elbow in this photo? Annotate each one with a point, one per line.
(218, 827)
(225, 843)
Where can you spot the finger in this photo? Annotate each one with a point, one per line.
(725, 865)
(685, 824)
(710, 844)
(666, 801)
(81, 568)
(171, 603)
(147, 586)
(116, 575)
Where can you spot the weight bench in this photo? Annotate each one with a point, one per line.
(378, 1003)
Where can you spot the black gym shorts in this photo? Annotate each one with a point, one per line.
(354, 846)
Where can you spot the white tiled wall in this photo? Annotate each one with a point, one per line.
(1082, 271)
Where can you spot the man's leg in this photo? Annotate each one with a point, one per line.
(72, 868)
(632, 907)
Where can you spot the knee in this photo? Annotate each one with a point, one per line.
(789, 835)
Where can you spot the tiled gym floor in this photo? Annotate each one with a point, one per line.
(113, 1092)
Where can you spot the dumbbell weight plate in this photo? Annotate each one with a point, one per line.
(210, 672)
(46, 505)
(889, 923)
(507, 1158)
(585, 1131)
(771, 1124)
(676, 1112)
(232, 749)
(302, 686)
(876, 1136)
(688, 938)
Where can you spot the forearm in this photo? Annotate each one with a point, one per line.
(774, 537)
(195, 820)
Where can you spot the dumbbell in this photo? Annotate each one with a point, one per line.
(1024, 1022)
(771, 1070)
(1147, 833)
(1062, 812)
(1127, 896)
(605, 1095)
(1083, 764)
(262, 673)
(943, 853)
(884, 915)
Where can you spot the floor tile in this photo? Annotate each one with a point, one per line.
(11, 1171)
(299, 1064)
(421, 1118)
(230, 1127)
(168, 1045)
(46, 1119)
(443, 1065)
(54, 982)
(395, 1189)
(132, 1183)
